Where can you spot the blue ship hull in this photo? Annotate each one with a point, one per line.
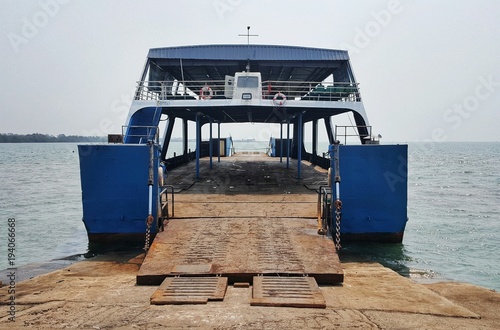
(115, 192)
(114, 181)
(373, 191)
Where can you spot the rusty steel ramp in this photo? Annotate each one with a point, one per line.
(241, 248)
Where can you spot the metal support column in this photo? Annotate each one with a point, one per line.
(300, 143)
(288, 144)
(281, 142)
(314, 140)
(218, 144)
(329, 130)
(198, 146)
(210, 145)
(185, 139)
(167, 136)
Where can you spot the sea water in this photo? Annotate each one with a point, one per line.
(453, 209)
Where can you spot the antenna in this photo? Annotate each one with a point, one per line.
(248, 35)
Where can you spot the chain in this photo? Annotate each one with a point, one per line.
(338, 213)
(338, 202)
(149, 221)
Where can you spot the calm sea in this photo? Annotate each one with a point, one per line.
(453, 209)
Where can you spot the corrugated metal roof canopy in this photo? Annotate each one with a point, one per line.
(242, 52)
(273, 62)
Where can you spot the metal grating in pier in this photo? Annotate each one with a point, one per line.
(287, 292)
(189, 290)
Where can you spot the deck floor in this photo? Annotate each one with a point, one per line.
(259, 221)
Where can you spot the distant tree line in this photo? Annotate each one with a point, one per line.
(37, 137)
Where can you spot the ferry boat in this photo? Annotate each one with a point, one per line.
(364, 196)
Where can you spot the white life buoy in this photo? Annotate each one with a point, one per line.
(279, 99)
(206, 93)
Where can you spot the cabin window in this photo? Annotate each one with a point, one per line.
(248, 82)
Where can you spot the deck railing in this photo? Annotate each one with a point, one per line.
(140, 134)
(343, 132)
(312, 91)
(218, 89)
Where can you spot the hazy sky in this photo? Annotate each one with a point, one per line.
(428, 70)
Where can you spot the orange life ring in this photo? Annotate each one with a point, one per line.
(281, 101)
(206, 93)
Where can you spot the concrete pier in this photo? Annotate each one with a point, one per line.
(218, 215)
(101, 293)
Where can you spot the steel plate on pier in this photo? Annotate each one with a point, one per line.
(287, 292)
(189, 290)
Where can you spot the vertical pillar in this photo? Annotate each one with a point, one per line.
(198, 146)
(218, 144)
(300, 143)
(210, 145)
(288, 144)
(185, 139)
(314, 140)
(281, 142)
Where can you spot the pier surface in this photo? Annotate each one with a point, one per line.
(234, 275)
(101, 293)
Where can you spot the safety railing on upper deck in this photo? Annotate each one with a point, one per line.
(174, 90)
(221, 89)
(312, 91)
